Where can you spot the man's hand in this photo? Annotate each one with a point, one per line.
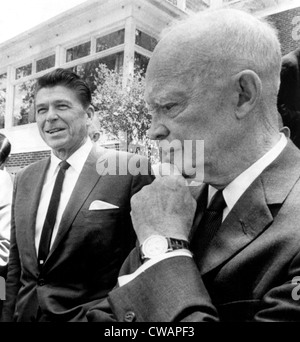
(165, 207)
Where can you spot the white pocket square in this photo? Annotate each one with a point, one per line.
(101, 205)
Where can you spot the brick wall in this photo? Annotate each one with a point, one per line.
(20, 160)
(288, 25)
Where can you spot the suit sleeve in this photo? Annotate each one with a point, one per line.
(173, 291)
(144, 177)
(169, 291)
(6, 187)
(14, 269)
(282, 302)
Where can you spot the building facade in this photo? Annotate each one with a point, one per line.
(119, 33)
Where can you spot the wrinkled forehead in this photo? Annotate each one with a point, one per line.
(56, 93)
(169, 71)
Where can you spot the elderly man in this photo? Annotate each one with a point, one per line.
(215, 77)
(71, 226)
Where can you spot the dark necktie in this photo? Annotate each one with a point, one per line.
(209, 224)
(51, 213)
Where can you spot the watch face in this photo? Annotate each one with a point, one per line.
(154, 246)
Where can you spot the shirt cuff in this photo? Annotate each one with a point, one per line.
(128, 277)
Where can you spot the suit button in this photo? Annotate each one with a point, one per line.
(129, 316)
(41, 282)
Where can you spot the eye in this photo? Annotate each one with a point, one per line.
(62, 106)
(169, 106)
(41, 111)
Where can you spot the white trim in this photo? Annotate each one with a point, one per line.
(10, 91)
(89, 58)
(142, 51)
(110, 29)
(146, 29)
(76, 42)
(128, 64)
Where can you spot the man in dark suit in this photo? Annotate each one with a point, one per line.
(236, 255)
(289, 94)
(59, 268)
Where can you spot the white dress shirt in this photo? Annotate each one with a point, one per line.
(76, 161)
(6, 193)
(238, 186)
(232, 192)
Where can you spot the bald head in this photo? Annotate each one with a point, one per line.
(214, 77)
(221, 42)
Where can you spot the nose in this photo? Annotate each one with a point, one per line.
(51, 114)
(158, 131)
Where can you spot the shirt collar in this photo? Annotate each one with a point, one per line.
(76, 160)
(234, 190)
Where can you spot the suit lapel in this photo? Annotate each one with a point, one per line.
(241, 226)
(34, 194)
(253, 213)
(87, 180)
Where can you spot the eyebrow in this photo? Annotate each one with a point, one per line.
(56, 102)
(176, 96)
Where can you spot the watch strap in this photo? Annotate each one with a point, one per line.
(173, 244)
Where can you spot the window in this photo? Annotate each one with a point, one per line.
(3, 80)
(2, 106)
(23, 71)
(144, 40)
(140, 62)
(45, 63)
(173, 2)
(110, 40)
(207, 2)
(114, 62)
(78, 51)
(23, 103)
(88, 70)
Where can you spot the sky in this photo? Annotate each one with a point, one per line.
(18, 16)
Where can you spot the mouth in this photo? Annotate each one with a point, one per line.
(54, 130)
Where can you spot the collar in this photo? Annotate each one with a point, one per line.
(234, 190)
(76, 160)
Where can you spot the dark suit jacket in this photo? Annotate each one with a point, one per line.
(247, 272)
(88, 251)
(289, 94)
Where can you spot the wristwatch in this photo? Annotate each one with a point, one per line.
(156, 245)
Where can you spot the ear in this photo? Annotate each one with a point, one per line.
(249, 88)
(90, 113)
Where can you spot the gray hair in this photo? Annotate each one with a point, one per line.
(227, 41)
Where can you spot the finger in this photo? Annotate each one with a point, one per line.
(172, 182)
(165, 169)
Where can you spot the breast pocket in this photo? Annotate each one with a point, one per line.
(98, 231)
(96, 216)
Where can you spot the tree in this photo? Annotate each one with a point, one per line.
(123, 109)
(26, 112)
(2, 108)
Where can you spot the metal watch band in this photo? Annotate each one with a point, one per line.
(177, 244)
(172, 244)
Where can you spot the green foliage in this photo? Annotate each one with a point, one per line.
(2, 102)
(122, 109)
(2, 107)
(26, 114)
